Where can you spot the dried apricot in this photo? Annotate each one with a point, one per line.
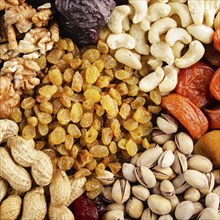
(213, 116)
(216, 39)
(193, 83)
(215, 85)
(189, 115)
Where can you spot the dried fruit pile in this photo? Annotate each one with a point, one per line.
(111, 130)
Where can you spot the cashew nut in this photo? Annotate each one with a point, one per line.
(201, 32)
(157, 11)
(154, 63)
(126, 24)
(177, 34)
(196, 9)
(177, 49)
(159, 27)
(116, 41)
(211, 8)
(170, 80)
(139, 35)
(195, 53)
(182, 11)
(162, 51)
(152, 80)
(128, 58)
(117, 17)
(217, 21)
(145, 24)
(140, 10)
(181, 1)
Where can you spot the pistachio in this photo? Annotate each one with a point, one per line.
(184, 143)
(134, 207)
(200, 163)
(134, 159)
(196, 179)
(217, 191)
(197, 208)
(174, 201)
(107, 194)
(163, 173)
(145, 176)
(192, 194)
(166, 159)
(208, 213)
(216, 174)
(165, 217)
(148, 215)
(180, 162)
(140, 192)
(212, 201)
(211, 183)
(113, 215)
(116, 206)
(184, 210)
(167, 189)
(121, 191)
(128, 172)
(180, 184)
(160, 137)
(106, 178)
(169, 145)
(156, 188)
(149, 157)
(167, 124)
(159, 204)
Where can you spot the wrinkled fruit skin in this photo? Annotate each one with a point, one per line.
(84, 209)
(216, 39)
(215, 85)
(193, 83)
(212, 55)
(213, 116)
(82, 19)
(189, 115)
(209, 146)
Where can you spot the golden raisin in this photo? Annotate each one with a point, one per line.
(57, 136)
(28, 132)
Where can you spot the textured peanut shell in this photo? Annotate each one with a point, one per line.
(209, 146)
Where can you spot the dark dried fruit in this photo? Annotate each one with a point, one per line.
(83, 18)
(189, 115)
(101, 205)
(84, 208)
(212, 55)
(193, 83)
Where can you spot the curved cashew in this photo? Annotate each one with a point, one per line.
(201, 32)
(117, 17)
(217, 21)
(177, 34)
(196, 9)
(152, 80)
(181, 1)
(177, 49)
(139, 35)
(159, 27)
(116, 41)
(194, 54)
(145, 25)
(128, 58)
(154, 63)
(211, 8)
(126, 24)
(157, 10)
(140, 10)
(170, 80)
(162, 51)
(182, 11)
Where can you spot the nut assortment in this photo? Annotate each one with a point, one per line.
(98, 132)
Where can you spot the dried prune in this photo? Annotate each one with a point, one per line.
(101, 205)
(84, 208)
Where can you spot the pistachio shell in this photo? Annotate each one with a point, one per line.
(192, 194)
(148, 215)
(212, 201)
(134, 207)
(113, 215)
(184, 210)
(106, 178)
(162, 209)
(167, 189)
(180, 162)
(140, 192)
(184, 143)
(149, 157)
(167, 124)
(166, 159)
(128, 172)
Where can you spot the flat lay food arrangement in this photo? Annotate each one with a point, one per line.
(109, 110)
